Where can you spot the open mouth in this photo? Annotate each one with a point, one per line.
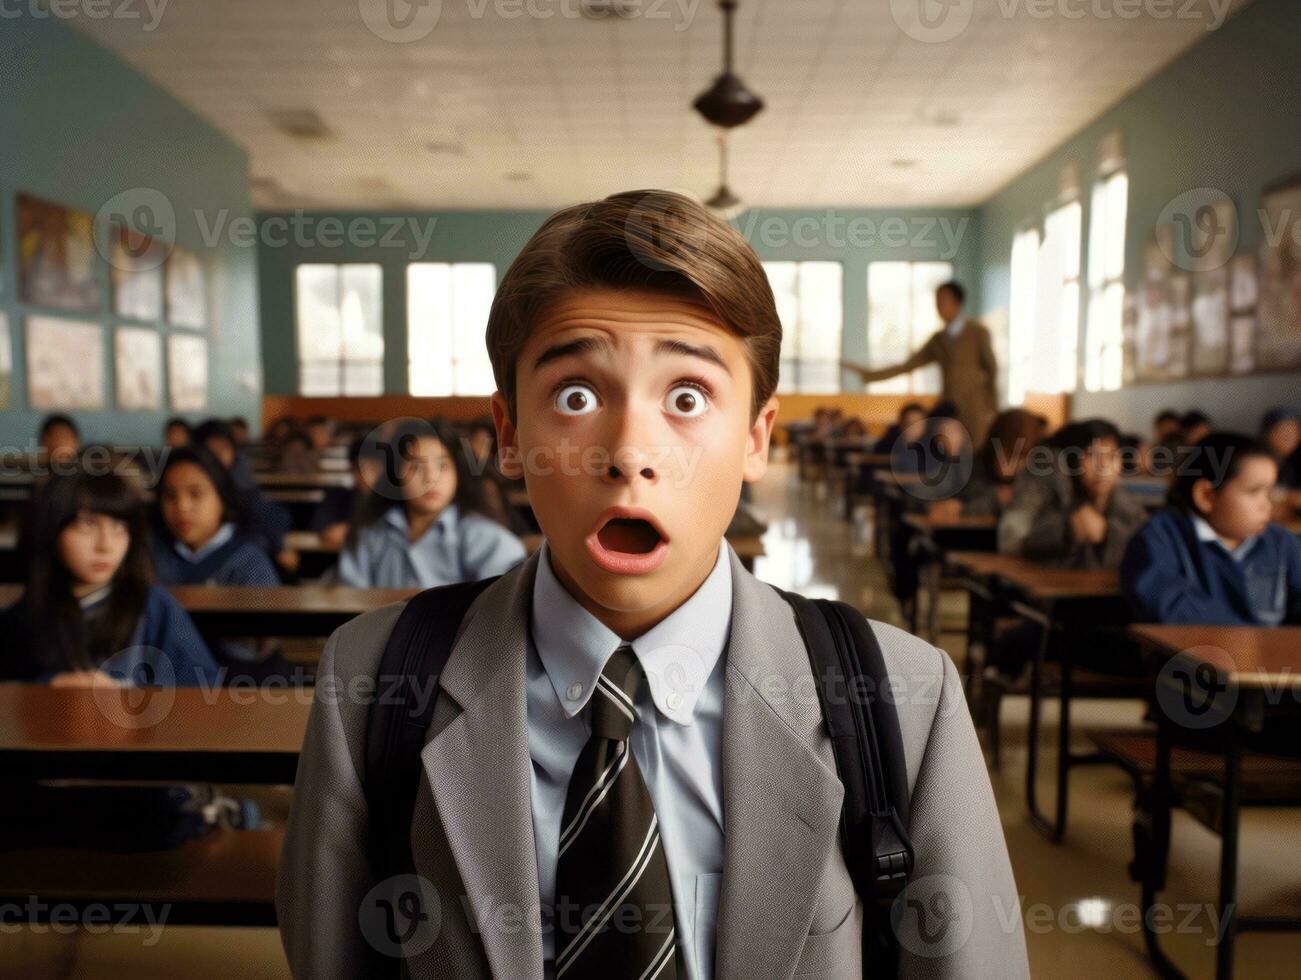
(628, 541)
(629, 535)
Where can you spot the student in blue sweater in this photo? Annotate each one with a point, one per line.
(89, 613)
(1212, 556)
(200, 540)
(425, 522)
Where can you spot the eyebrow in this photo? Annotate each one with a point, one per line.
(586, 345)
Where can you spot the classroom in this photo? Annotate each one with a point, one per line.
(610, 488)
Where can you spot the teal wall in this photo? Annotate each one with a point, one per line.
(78, 127)
(1225, 115)
(853, 237)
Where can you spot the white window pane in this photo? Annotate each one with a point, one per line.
(316, 297)
(1113, 358)
(429, 328)
(363, 378)
(782, 276)
(820, 310)
(473, 285)
(926, 278)
(889, 322)
(315, 378)
(810, 305)
(1117, 208)
(1098, 213)
(1025, 249)
(1068, 349)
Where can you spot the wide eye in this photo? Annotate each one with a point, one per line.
(686, 401)
(576, 399)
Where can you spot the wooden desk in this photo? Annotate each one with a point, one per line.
(257, 610)
(221, 735)
(303, 481)
(938, 537)
(1052, 597)
(1217, 687)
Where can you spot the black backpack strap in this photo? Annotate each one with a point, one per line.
(850, 675)
(406, 692)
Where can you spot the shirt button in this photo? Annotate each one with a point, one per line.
(674, 701)
(574, 691)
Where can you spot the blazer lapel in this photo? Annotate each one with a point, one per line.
(479, 772)
(781, 795)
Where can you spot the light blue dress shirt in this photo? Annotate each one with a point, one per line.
(454, 548)
(953, 329)
(224, 534)
(677, 739)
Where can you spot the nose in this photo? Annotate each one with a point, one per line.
(632, 456)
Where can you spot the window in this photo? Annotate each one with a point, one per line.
(1105, 336)
(1021, 312)
(447, 316)
(1053, 351)
(810, 303)
(340, 334)
(900, 318)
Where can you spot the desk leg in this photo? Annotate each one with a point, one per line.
(1056, 828)
(934, 573)
(1152, 866)
(1229, 857)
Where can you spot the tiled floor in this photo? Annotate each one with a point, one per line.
(812, 550)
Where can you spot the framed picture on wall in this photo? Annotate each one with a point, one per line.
(187, 294)
(1210, 318)
(1278, 310)
(1181, 292)
(56, 256)
(56, 380)
(137, 273)
(1242, 283)
(6, 361)
(1242, 338)
(138, 369)
(187, 372)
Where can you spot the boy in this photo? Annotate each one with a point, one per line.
(628, 721)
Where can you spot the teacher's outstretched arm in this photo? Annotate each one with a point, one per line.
(926, 354)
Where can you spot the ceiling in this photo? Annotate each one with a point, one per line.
(493, 107)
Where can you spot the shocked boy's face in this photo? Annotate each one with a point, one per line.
(633, 435)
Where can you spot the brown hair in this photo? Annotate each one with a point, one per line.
(650, 240)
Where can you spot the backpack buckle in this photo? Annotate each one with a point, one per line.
(893, 857)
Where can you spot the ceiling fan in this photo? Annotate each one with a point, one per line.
(727, 103)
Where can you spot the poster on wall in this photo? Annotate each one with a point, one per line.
(1242, 283)
(1278, 310)
(1181, 292)
(138, 369)
(187, 372)
(137, 275)
(1153, 315)
(1242, 331)
(56, 380)
(6, 360)
(187, 296)
(1210, 317)
(56, 256)
(1129, 339)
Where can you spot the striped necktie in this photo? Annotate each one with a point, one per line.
(614, 903)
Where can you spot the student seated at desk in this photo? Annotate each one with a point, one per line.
(910, 417)
(59, 440)
(998, 464)
(1069, 509)
(427, 527)
(333, 516)
(90, 613)
(1280, 430)
(267, 522)
(177, 433)
(200, 539)
(1212, 557)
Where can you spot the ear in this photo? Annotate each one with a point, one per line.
(508, 452)
(1203, 496)
(756, 444)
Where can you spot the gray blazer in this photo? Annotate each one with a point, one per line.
(787, 905)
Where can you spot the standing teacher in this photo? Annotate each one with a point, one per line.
(966, 358)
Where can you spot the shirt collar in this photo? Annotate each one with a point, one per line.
(678, 654)
(954, 326)
(95, 598)
(224, 534)
(443, 523)
(1206, 534)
